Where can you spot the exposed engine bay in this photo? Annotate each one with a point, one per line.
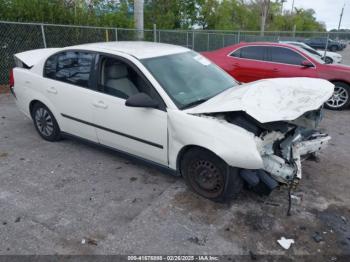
(283, 145)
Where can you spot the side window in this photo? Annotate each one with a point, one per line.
(253, 52)
(236, 53)
(50, 67)
(285, 56)
(312, 51)
(119, 79)
(72, 67)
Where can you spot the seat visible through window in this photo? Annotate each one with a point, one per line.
(117, 82)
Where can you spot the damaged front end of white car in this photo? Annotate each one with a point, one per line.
(282, 146)
(284, 116)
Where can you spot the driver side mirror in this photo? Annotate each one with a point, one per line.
(141, 100)
(307, 64)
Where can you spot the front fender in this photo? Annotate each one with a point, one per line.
(236, 146)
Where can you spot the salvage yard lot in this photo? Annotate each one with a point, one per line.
(54, 195)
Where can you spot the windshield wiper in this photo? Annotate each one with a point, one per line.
(195, 103)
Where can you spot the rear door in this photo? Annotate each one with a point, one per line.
(68, 86)
(285, 62)
(248, 63)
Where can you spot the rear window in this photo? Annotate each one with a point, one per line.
(72, 67)
(250, 52)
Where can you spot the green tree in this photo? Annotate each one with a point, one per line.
(174, 14)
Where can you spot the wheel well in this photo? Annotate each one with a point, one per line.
(32, 104)
(187, 148)
(339, 81)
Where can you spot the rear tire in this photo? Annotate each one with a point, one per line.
(209, 176)
(45, 123)
(340, 98)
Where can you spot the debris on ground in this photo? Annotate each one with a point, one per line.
(296, 199)
(197, 241)
(285, 243)
(2, 154)
(18, 219)
(92, 242)
(344, 219)
(317, 237)
(89, 241)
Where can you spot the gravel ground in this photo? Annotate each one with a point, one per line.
(54, 195)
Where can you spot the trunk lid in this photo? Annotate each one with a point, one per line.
(277, 99)
(30, 58)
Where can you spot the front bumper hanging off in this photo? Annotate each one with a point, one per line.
(289, 171)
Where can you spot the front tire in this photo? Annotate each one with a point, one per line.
(340, 98)
(45, 123)
(209, 176)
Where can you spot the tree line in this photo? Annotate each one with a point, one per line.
(167, 14)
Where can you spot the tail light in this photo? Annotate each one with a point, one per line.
(12, 83)
(12, 79)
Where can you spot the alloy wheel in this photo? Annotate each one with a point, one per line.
(339, 97)
(44, 122)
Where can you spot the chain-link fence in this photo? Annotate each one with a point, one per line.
(18, 37)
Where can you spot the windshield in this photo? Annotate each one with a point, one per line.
(188, 78)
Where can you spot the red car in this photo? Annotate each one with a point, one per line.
(249, 62)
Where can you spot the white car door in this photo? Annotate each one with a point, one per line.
(135, 130)
(67, 86)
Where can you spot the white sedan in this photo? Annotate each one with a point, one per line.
(171, 107)
(330, 58)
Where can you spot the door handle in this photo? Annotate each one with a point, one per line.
(275, 70)
(51, 90)
(100, 104)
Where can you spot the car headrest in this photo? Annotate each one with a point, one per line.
(116, 71)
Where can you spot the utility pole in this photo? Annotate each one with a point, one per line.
(294, 26)
(265, 5)
(341, 17)
(138, 18)
(282, 2)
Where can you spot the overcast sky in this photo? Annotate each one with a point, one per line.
(327, 11)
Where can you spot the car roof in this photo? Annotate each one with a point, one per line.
(138, 49)
(295, 43)
(242, 44)
(264, 43)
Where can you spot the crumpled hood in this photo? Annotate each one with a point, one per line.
(277, 99)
